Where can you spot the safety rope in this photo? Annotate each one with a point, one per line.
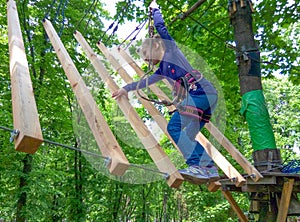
(150, 68)
(116, 21)
(137, 30)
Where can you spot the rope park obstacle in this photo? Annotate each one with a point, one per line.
(28, 136)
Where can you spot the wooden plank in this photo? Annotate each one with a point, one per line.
(157, 154)
(105, 139)
(246, 165)
(285, 200)
(153, 111)
(234, 152)
(235, 206)
(25, 114)
(214, 186)
(221, 161)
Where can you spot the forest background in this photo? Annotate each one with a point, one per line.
(57, 184)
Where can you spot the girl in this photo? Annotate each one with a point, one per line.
(200, 100)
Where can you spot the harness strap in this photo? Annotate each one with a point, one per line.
(181, 89)
(186, 83)
(192, 111)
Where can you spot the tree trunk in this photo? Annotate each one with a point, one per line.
(266, 156)
(27, 161)
(248, 59)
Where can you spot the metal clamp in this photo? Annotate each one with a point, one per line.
(14, 134)
(107, 161)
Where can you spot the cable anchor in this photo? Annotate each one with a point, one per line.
(13, 135)
(107, 161)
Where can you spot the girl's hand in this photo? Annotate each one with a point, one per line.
(153, 5)
(120, 92)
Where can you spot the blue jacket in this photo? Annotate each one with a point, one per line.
(174, 65)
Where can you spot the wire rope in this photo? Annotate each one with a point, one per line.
(107, 159)
(223, 40)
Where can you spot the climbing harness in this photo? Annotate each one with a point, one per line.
(186, 83)
(193, 111)
(181, 89)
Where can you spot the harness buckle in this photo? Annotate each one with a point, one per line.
(186, 83)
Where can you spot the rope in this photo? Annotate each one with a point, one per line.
(63, 18)
(62, 6)
(86, 13)
(138, 30)
(49, 9)
(124, 9)
(292, 167)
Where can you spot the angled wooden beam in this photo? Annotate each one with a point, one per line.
(157, 154)
(214, 186)
(285, 200)
(25, 114)
(234, 152)
(235, 206)
(221, 161)
(105, 139)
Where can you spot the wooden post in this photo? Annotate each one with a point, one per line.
(285, 200)
(235, 206)
(157, 154)
(104, 137)
(25, 114)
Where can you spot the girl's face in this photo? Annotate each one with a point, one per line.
(153, 55)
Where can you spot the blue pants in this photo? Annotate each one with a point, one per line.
(183, 130)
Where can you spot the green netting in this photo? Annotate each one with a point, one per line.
(256, 113)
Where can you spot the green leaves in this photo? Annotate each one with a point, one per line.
(63, 184)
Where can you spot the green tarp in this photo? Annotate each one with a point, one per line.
(256, 113)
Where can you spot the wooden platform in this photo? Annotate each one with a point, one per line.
(271, 182)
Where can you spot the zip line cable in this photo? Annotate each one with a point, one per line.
(220, 38)
(292, 167)
(196, 21)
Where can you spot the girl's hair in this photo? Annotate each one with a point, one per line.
(149, 42)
